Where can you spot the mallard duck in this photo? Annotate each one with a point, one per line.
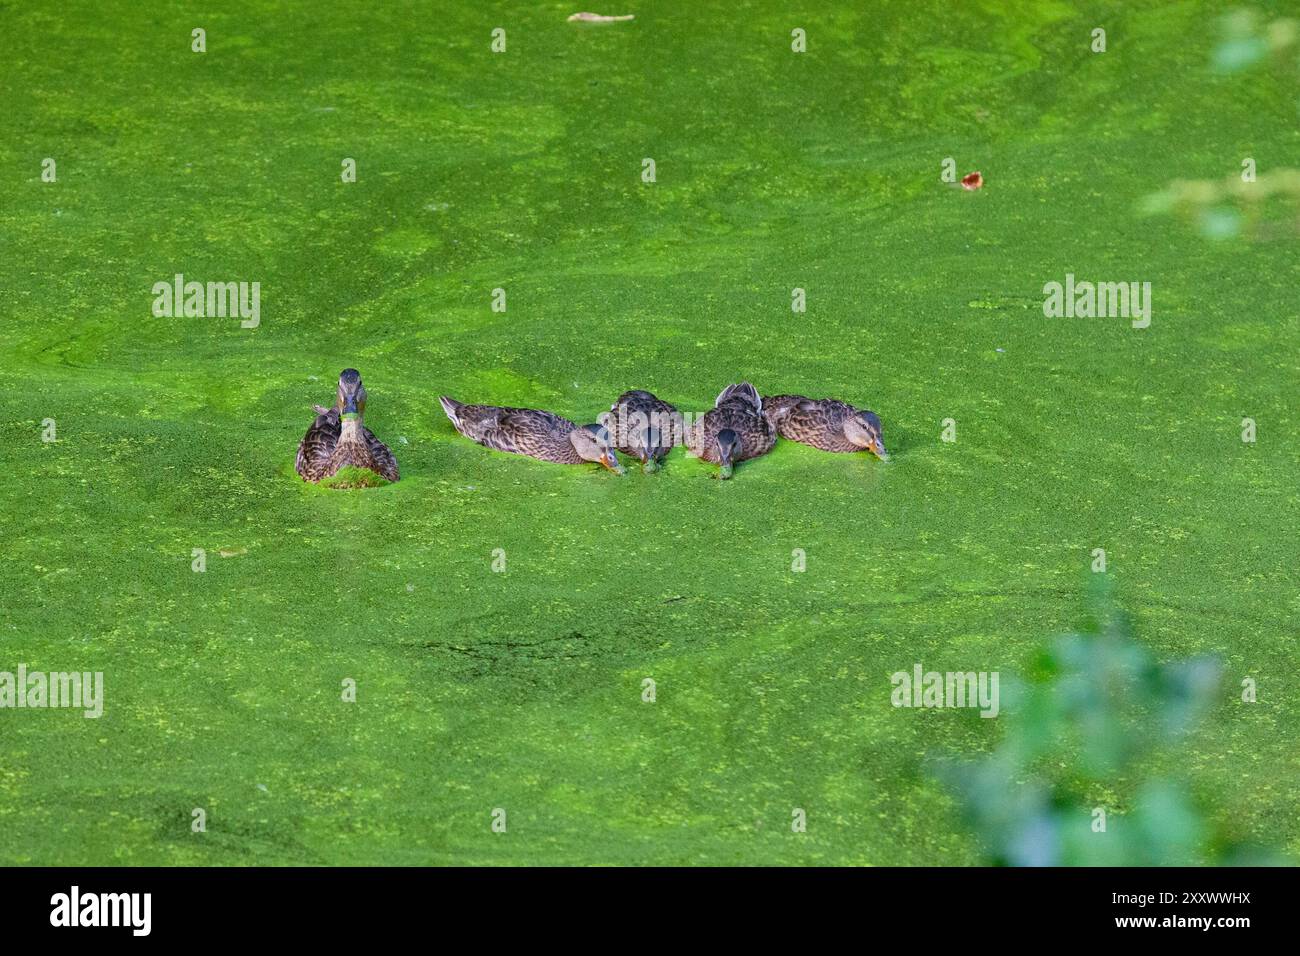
(532, 432)
(644, 426)
(338, 437)
(828, 424)
(736, 428)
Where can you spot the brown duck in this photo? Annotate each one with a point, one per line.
(643, 426)
(737, 428)
(828, 424)
(532, 432)
(338, 438)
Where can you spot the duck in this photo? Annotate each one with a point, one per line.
(338, 437)
(644, 426)
(737, 428)
(532, 432)
(828, 424)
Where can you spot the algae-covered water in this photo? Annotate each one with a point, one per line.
(523, 689)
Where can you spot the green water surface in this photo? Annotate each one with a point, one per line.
(522, 170)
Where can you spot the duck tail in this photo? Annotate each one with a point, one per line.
(452, 408)
(744, 391)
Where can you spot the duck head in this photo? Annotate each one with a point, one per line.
(592, 443)
(649, 447)
(351, 399)
(863, 429)
(728, 447)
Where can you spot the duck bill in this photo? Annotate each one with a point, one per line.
(878, 449)
(610, 461)
(646, 449)
(726, 467)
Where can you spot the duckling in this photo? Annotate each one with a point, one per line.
(338, 438)
(828, 424)
(735, 429)
(644, 426)
(532, 432)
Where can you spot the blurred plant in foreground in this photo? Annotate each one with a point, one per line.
(1080, 735)
(1245, 40)
(1263, 207)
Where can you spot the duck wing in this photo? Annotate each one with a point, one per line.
(634, 398)
(742, 396)
(476, 422)
(523, 431)
(638, 408)
(742, 393)
(537, 434)
(317, 447)
(385, 465)
(778, 406)
(818, 422)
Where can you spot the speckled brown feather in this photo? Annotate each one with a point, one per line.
(319, 454)
(385, 462)
(639, 402)
(317, 446)
(521, 431)
(361, 449)
(818, 422)
(740, 409)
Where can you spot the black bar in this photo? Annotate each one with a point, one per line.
(334, 906)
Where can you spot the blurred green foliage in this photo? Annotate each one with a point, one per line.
(1246, 40)
(1265, 206)
(1081, 732)
(1242, 204)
